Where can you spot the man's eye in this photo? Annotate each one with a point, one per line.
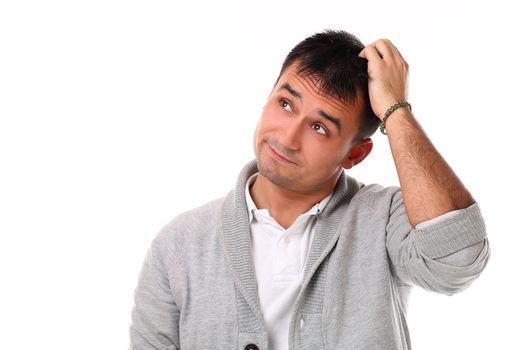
(320, 129)
(286, 105)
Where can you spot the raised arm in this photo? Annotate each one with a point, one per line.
(429, 186)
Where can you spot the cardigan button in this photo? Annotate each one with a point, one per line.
(251, 347)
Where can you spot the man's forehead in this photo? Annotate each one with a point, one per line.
(294, 73)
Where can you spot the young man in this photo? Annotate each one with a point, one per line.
(299, 255)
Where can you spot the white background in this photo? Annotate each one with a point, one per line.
(117, 115)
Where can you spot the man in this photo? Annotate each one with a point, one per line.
(299, 255)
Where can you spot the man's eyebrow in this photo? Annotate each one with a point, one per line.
(291, 90)
(323, 114)
(334, 120)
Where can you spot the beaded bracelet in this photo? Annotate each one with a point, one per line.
(382, 126)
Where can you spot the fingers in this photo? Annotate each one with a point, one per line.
(370, 53)
(385, 48)
(381, 49)
(387, 73)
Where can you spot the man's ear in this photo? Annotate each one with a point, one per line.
(358, 153)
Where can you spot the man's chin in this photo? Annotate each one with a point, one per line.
(273, 174)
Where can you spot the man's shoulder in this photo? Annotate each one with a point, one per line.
(194, 223)
(378, 196)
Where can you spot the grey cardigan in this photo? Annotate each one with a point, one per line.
(197, 288)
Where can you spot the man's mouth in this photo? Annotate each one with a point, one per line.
(279, 156)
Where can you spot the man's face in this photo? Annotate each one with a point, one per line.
(304, 138)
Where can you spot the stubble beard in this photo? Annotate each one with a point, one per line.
(269, 168)
(271, 172)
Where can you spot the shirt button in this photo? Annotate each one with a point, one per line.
(287, 239)
(301, 324)
(251, 347)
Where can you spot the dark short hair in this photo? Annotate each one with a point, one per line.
(331, 57)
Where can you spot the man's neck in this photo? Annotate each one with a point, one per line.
(283, 204)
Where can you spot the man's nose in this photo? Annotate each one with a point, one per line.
(291, 136)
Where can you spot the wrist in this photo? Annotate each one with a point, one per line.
(396, 107)
(399, 119)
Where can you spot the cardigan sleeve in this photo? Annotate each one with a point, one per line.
(155, 316)
(445, 256)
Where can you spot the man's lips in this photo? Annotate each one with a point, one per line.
(278, 156)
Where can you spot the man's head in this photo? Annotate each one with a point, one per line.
(331, 58)
(318, 118)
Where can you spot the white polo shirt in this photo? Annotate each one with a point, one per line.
(279, 258)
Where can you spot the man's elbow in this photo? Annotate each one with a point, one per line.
(456, 272)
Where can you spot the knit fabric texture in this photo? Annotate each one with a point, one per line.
(197, 288)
